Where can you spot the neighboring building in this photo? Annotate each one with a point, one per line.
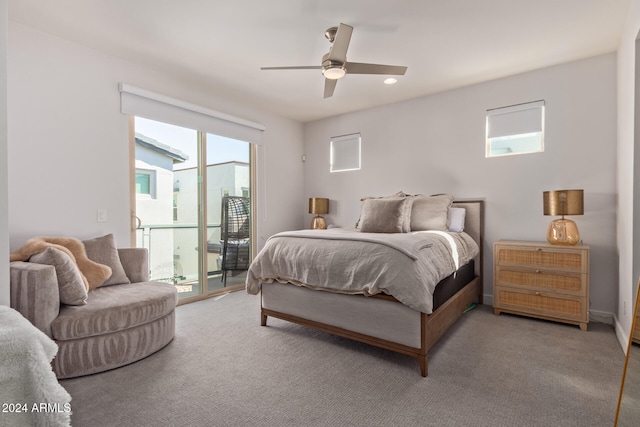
(154, 163)
(167, 207)
(223, 179)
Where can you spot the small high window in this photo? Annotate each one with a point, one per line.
(516, 129)
(345, 153)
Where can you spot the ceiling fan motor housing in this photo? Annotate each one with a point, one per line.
(332, 70)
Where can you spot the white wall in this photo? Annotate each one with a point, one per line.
(435, 144)
(627, 168)
(68, 141)
(4, 211)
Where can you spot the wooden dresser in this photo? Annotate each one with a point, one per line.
(541, 280)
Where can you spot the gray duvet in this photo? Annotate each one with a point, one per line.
(407, 266)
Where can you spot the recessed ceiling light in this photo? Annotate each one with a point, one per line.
(390, 81)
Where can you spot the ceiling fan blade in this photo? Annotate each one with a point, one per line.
(329, 87)
(362, 68)
(302, 67)
(338, 52)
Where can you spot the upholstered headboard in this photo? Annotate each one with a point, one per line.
(474, 226)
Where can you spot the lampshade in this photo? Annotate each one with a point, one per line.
(318, 205)
(563, 202)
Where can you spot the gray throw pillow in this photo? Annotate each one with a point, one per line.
(386, 215)
(70, 284)
(103, 250)
(431, 212)
(406, 225)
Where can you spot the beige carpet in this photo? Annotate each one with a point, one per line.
(224, 369)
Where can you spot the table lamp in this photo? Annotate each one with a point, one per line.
(563, 202)
(318, 206)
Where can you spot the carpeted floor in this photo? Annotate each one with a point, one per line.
(224, 369)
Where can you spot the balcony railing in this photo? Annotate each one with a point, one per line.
(173, 251)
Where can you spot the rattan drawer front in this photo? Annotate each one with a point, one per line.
(541, 257)
(545, 305)
(543, 280)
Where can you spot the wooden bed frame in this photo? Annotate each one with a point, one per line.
(432, 326)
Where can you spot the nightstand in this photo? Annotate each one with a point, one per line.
(541, 280)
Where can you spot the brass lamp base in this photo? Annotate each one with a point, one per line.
(318, 223)
(563, 232)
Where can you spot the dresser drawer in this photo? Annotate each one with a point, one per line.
(542, 304)
(542, 257)
(541, 280)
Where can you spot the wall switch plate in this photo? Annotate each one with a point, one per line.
(102, 215)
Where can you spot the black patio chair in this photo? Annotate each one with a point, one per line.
(235, 235)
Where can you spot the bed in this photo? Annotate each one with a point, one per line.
(379, 315)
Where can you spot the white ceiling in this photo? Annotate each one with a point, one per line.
(221, 44)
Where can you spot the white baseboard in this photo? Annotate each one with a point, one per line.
(623, 338)
(601, 317)
(487, 299)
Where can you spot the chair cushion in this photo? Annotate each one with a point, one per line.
(115, 308)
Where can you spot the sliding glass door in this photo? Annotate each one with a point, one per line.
(183, 179)
(228, 190)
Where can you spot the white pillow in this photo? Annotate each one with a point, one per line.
(456, 219)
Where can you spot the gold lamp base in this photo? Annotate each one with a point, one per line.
(318, 223)
(563, 232)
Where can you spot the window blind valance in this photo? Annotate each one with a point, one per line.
(150, 105)
(515, 119)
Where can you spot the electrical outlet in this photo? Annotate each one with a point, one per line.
(102, 215)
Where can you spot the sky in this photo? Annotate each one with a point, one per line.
(219, 148)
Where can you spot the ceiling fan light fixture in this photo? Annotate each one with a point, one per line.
(334, 72)
(390, 81)
(334, 65)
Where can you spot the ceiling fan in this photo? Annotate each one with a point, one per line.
(335, 65)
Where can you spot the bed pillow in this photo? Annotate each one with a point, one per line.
(456, 219)
(385, 215)
(400, 194)
(431, 212)
(70, 284)
(103, 250)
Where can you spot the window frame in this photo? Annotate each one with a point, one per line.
(521, 122)
(151, 175)
(345, 145)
